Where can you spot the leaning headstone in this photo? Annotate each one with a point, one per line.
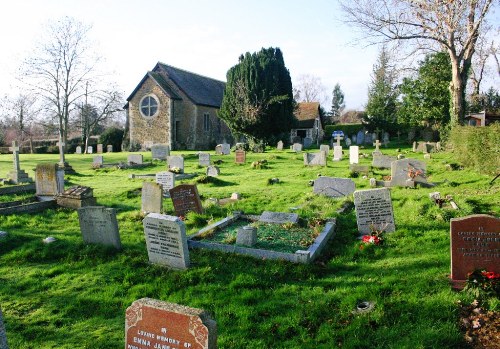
(98, 225)
(337, 153)
(382, 161)
(475, 244)
(3, 333)
(240, 156)
(185, 198)
(176, 161)
(204, 159)
(279, 146)
(226, 149)
(360, 137)
(315, 159)
(109, 148)
(97, 160)
(160, 151)
(151, 323)
(99, 149)
(49, 180)
(325, 148)
(297, 147)
(406, 170)
(17, 175)
(333, 187)
(374, 210)
(134, 159)
(213, 171)
(78, 150)
(152, 197)
(90, 150)
(353, 154)
(278, 217)
(167, 181)
(166, 241)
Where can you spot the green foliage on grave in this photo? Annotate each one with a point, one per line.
(72, 295)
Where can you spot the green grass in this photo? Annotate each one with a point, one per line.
(71, 295)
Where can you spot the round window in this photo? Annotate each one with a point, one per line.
(149, 106)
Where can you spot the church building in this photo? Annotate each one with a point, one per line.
(178, 108)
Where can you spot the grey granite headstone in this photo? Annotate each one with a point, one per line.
(246, 236)
(78, 150)
(204, 159)
(99, 149)
(166, 241)
(354, 154)
(325, 148)
(160, 151)
(226, 148)
(98, 160)
(49, 180)
(374, 208)
(213, 171)
(98, 225)
(134, 159)
(279, 146)
(167, 181)
(3, 333)
(360, 137)
(348, 141)
(278, 217)
(315, 159)
(152, 197)
(307, 142)
(383, 161)
(297, 147)
(176, 162)
(403, 170)
(90, 150)
(337, 153)
(109, 148)
(334, 187)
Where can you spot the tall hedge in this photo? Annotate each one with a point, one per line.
(477, 147)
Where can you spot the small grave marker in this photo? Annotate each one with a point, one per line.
(176, 161)
(204, 159)
(353, 154)
(213, 171)
(240, 157)
(98, 225)
(297, 147)
(90, 150)
(374, 208)
(325, 148)
(185, 198)
(78, 150)
(226, 148)
(167, 181)
(134, 159)
(278, 217)
(337, 153)
(334, 187)
(109, 148)
(17, 175)
(279, 146)
(377, 145)
(98, 160)
(360, 137)
(160, 151)
(315, 159)
(99, 149)
(152, 197)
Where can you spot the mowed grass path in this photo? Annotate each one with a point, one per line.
(71, 295)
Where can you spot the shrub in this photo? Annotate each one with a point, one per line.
(112, 136)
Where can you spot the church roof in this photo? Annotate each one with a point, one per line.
(306, 113)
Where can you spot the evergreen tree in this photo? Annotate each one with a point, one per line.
(382, 95)
(338, 103)
(258, 98)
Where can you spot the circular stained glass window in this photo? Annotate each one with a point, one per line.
(149, 106)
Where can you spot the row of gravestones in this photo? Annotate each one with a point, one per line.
(90, 149)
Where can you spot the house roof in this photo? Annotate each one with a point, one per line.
(306, 113)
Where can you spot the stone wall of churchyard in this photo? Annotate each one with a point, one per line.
(147, 131)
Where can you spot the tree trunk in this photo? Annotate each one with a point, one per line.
(457, 91)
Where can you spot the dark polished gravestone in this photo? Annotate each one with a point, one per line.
(151, 323)
(374, 210)
(474, 244)
(185, 198)
(98, 225)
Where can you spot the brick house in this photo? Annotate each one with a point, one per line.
(308, 128)
(178, 108)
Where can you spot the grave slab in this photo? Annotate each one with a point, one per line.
(278, 217)
(334, 187)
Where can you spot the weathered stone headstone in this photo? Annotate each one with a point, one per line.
(348, 141)
(307, 142)
(360, 137)
(99, 149)
(315, 159)
(377, 145)
(374, 209)
(325, 148)
(98, 160)
(17, 175)
(354, 154)
(218, 149)
(406, 170)
(109, 148)
(185, 198)
(475, 244)
(160, 151)
(338, 138)
(278, 217)
(204, 159)
(297, 147)
(152, 197)
(90, 150)
(176, 162)
(337, 153)
(78, 150)
(167, 181)
(334, 187)
(213, 171)
(49, 180)
(368, 138)
(279, 146)
(359, 168)
(385, 139)
(226, 149)
(246, 236)
(77, 196)
(151, 323)
(3, 333)
(134, 159)
(383, 161)
(166, 240)
(240, 157)
(98, 225)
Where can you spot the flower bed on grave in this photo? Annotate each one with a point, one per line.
(295, 243)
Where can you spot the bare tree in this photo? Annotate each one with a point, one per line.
(309, 88)
(59, 68)
(453, 25)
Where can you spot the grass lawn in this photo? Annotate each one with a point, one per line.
(71, 295)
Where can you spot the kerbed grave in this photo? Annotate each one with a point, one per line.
(279, 241)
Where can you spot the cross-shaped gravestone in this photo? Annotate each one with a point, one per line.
(377, 144)
(15, 152)
(339, 138)
(377, 131)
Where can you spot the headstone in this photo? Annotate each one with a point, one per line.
(218, 149)
(359, 168)
(134, 159)
(160, 151)
(151, 323)
(354, 139)
(315, 159)
(325, 148)
(213, 171)
(166, 241)
(407, 170)
(152, 197)
(99, 149)
(348, 141)
(337, 153)
(98, 160)
(475, 244)
(167, 181)
(377, 145)
(109, 148)
(338, 138)
(383, 161)
(176, 161)
(17, 175)
(3, 333)
(77, 196)
(368, 138)
(414, 148)
(49, 180)
(226, 149)
(246, 236)
(204, 159)
(185, 198)
(374, 208)
(297, 147)
(307, 142)
(360, 137)
(278, 217)
(353, 154)
(279, 146)
(240, 157)
(98, 225)
(78, 150)
(90, 150)
(334, 187)
(385, 139)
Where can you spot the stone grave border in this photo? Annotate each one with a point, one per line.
(178, 176)
(15, 189)
(18, 207)
(300, 256)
